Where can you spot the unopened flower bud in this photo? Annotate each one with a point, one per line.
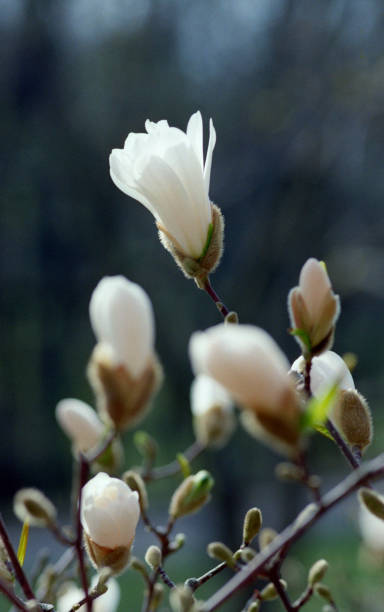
(289, 472)
(191, 495)
(182, 600)
(252, 524)
(254, 607)
(212, 410)
(136, 483)
(138, 566)
(80, 422)
(266, 536)
(221, 552)
(178, 542)
(372, 501)
(123, 369)
(153, 557)
(33, 507)
(249, 364)
(109, 515)
(317, 571)
(245, 554)
(313, 309)
(352, 417)
(323, 591)
(232, 318)
(269, 592)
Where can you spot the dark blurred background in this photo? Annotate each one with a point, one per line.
(296, 92)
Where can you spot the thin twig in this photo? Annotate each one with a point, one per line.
(165, 578)
(275, 579)
(370, 471)
(304, 597)
(344, 448)
(83, 475)
(213, 295)
(195, 583)
(173, 468)
(20, 575)
(4, 588)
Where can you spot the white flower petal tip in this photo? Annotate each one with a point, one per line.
(80, 422)
(250, 365)
(165, 171)
(326, 370)
(110, 512)
(122, 317)
(313, 309)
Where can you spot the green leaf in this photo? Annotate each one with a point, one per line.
(184, 465)
(324, 431)
(23, 543)
(304, 337)
(318, 408)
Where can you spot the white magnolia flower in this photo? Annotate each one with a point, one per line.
(327, 369)
(245, 360)
(122, 319)
(313, 307)
(109, 512)
(164, 169)
(212, 410)
(80, 422)
(107, 602)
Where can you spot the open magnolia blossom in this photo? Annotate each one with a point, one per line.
(122, 318)
(326, 370)
(250, 365)
(80, 422)
(107, 602)
(313, 308)
(164, 169)
(110, 512)
(212, 411)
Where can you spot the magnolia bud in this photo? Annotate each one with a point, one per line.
(249, 364)
(33, 507)
(123, 370)
(327, 369)
(212, 410)
(252, 524)
(153, 557)
(245, 554)
(323, 591)
(218, 550)
(80, 422)
(313, 309)
(289, 472)
(182, 600)
(372, 501)
(191, 495)
(266, 536)
(157, 595)
(352, 417)
(254, 607)
(136, 483)
(317, 571)
(109, 515)
(269, 592)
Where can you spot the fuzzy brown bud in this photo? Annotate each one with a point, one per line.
(317, 571)
(352, 418)
(153, 557)
(252, 524)
(323, 591)
(136, 483)
(372, 501)
(33, 507)
(221, 552)
(191, 495)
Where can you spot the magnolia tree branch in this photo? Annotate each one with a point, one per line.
(372, 470)
(6, 589)
(213, 295)
(83, 476)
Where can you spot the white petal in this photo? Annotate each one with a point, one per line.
(195, 135)
(208, 159)
(314, 284)
(121, 171)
